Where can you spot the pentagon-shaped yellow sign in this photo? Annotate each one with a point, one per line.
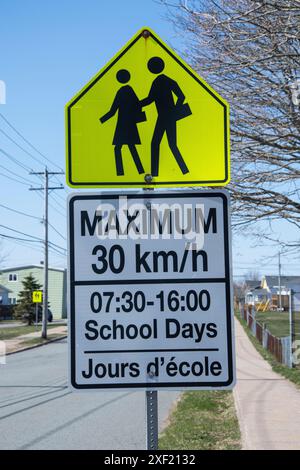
(147, 119)
(37, 296)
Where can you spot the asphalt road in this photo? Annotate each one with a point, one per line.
(38, 411)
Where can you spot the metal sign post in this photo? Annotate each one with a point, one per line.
(152, 419)
(36, 315)
(37, 297)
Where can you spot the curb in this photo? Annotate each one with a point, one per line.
(36, 345)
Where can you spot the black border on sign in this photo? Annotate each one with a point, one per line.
(141, 183)
(73, 284)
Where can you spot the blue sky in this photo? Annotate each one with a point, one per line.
(48, 51)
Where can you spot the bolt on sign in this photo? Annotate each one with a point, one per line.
(150, 290)
(145, 119)
(37, 296)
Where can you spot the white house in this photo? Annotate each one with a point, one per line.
(4, 295)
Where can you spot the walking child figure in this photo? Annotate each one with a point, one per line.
(128, 106)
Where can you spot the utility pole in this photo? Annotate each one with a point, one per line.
(46, 190)
(279, 282)
(292, 321)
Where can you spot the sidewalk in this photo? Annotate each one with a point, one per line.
(20, 342)
(268, 405)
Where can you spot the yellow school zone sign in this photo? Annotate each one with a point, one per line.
(147, 119)
(37, 296)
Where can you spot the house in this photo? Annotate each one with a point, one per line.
(252, 284)
(288, 284)
(4, 295)
(11, 279)
(253, 292)
(256, 295)
(6, 310)
(269, 291)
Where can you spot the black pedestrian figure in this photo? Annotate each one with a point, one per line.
(169, 113)
(129, 114)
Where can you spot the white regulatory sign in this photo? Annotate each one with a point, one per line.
(150, 303)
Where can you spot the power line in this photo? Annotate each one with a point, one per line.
(15, 160)
(52, 206)
(29, 143)
(57, 211)
(57, 202)
(61, 197)
(32, 217)
(18, 238)
(58, 233)
(32, 236)
(51, 248)
(15, 174)
(23, 241)
(21, 213)
(14, 179)
(20, 147)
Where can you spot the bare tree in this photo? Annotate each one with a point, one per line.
(249, 51)
(252, 276)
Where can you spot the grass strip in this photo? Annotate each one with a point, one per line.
(203, 420)
(35, 341)
(14, 332)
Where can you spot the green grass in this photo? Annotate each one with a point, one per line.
(292, 374)
(10, 333)
(8, 321)
(278, 322)
(34, 341)
(202, 420)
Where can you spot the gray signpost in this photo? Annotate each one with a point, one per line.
(152, 419)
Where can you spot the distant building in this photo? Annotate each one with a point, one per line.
(11, 279)
(268, 291)
(288, 283)
(256, 296)
(252, 284)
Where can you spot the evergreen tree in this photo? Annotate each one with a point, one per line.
(25, 309)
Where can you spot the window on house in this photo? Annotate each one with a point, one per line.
(12, 277)
(13, 300)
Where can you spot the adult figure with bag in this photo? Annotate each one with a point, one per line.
(169, 112)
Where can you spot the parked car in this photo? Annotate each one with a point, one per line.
(40, 315)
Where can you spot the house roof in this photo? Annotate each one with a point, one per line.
(285, 281)
(252, 284)
(258, 291)
(28, 266)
